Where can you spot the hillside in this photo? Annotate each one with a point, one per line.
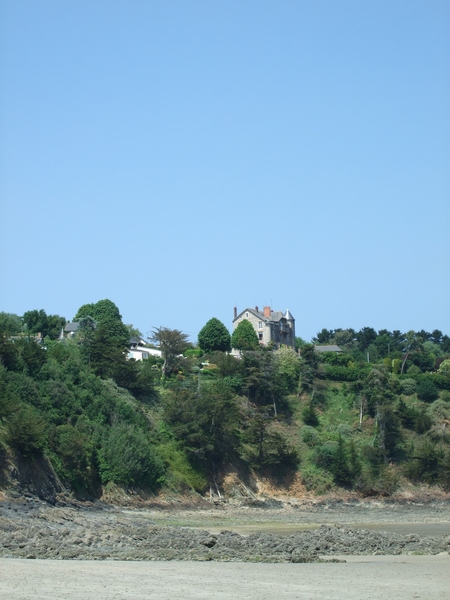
(77, 418)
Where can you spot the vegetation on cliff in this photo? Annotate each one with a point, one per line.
(360, 419)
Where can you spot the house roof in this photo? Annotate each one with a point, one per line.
(69, 327)
(331, 348)
(275, 315)
(254, 312)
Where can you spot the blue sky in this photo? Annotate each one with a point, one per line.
(182, 158)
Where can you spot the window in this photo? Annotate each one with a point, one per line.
(259, 324)
(246, 315)
(260, 336)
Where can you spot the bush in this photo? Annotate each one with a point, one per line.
(344, 430)
(444, 368)
(335, 373)
(25, 431)
(427, 391)
(325, 455)
(309, 435)
(316, 479)
(193, 353)
(408, 386)
(73, 460)
(126, 457)
(309, 416)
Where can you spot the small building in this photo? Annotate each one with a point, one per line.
(140, 351)
(70, 329)
(272, 327)
(330, 348)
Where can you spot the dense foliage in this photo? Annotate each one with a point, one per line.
(363, 418)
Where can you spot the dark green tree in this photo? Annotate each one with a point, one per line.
(325, 336)
(37, 321)
(244, 337)
(427, 391)
(25, 431)
(100, 311)
(340, 467)
(205, 422)
(107, 350)
(365, 337)
(127, 457)
(214, 336)
(309, 415)
(262, 445)
(10, 324)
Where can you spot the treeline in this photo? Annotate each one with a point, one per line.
(356, 419)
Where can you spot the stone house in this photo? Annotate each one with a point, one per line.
(271, 326)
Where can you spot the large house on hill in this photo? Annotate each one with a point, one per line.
(271, 326)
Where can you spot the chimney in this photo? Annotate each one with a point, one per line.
(267, 311)
(235, 312)
(256, 308)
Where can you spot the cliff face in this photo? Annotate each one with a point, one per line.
(29, 477)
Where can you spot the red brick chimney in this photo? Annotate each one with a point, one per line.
(267, 311)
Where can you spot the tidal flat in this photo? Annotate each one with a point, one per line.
(331, 549)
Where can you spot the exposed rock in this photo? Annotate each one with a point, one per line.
(30, 529)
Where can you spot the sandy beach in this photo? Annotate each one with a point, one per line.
(391, 551)
(361, 577)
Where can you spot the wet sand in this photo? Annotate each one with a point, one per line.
(361, 577)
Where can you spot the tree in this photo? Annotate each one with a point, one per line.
(127, 457)
(171, 342)
(365, 337)
(37, 321)
(106, 350)
(426, 390)
(344, 337)
(101, 310)
(340, 467)
(10, 323)
(444, 368)
(214, 336)
(287, 364)
(325, 336)
(244, 337)
(413, 343)
(205, 422)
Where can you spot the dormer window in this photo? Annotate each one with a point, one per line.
(246, 315)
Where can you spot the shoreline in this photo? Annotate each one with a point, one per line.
(29, 529)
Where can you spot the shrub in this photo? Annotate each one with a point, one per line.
(126, 457)
(444, 368)
(316, 479)
(344, 430)
(73, 460)
(426, 390)
(309, 435)
(309, 416)
(25, 431)
(325, 455)
(193, 353)
(335, 373)
(408, 386)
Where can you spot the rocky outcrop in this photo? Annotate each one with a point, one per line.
(30, 529)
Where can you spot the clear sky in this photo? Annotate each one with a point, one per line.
(184, 157)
